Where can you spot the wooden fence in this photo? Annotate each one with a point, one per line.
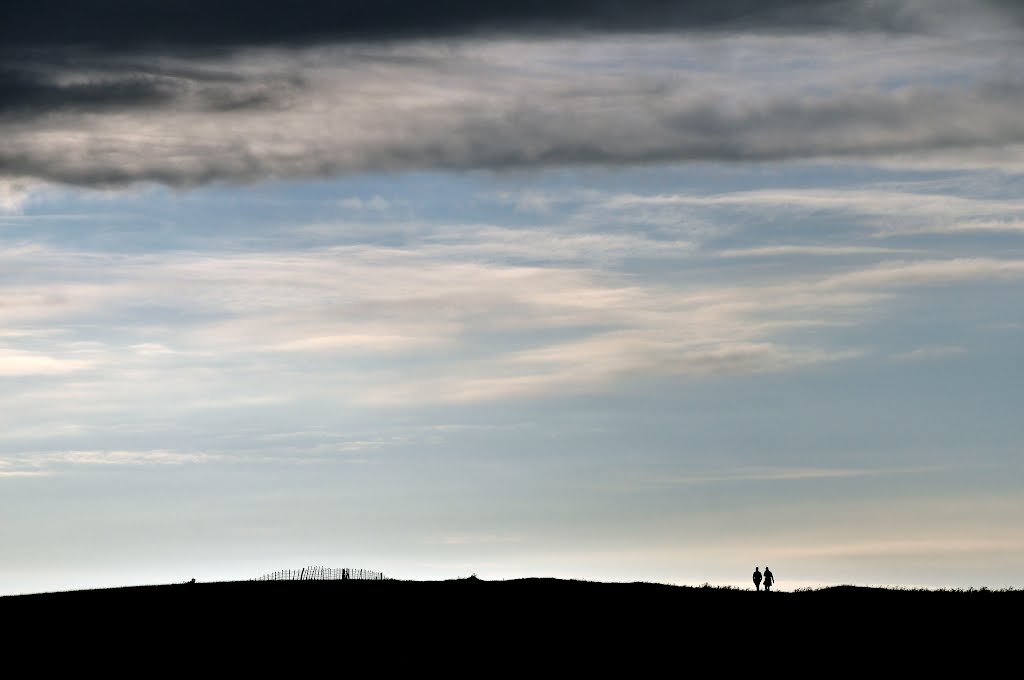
(323, 574)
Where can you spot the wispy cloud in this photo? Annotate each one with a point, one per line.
(927, 272)
(51, 463)
(326, 448)
(10, 471)
(433, 303)
(814, 251)
(771, 474)
(885, 211)
(931, 352)
(15, 363)
(598, 363)
(375, 203)
(477, 538)
(157, 457)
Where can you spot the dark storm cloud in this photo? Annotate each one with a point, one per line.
(91, 84)
(42, 39)
(28, 92)
(335, 135)
(184, 93)
(131, 24)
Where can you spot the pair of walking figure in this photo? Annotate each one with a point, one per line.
(768, 579)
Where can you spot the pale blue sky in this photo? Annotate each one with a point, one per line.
(630, 308)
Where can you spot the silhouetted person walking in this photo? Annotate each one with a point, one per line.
(768, 579)
(757, 579)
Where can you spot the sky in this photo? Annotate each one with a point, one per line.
(617, 291)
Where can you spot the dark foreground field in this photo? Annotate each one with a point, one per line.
(541, 626)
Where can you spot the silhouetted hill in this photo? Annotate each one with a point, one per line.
(581, 625)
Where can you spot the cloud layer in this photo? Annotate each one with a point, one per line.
(271, 102)
(134, 24)
(574, 325)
